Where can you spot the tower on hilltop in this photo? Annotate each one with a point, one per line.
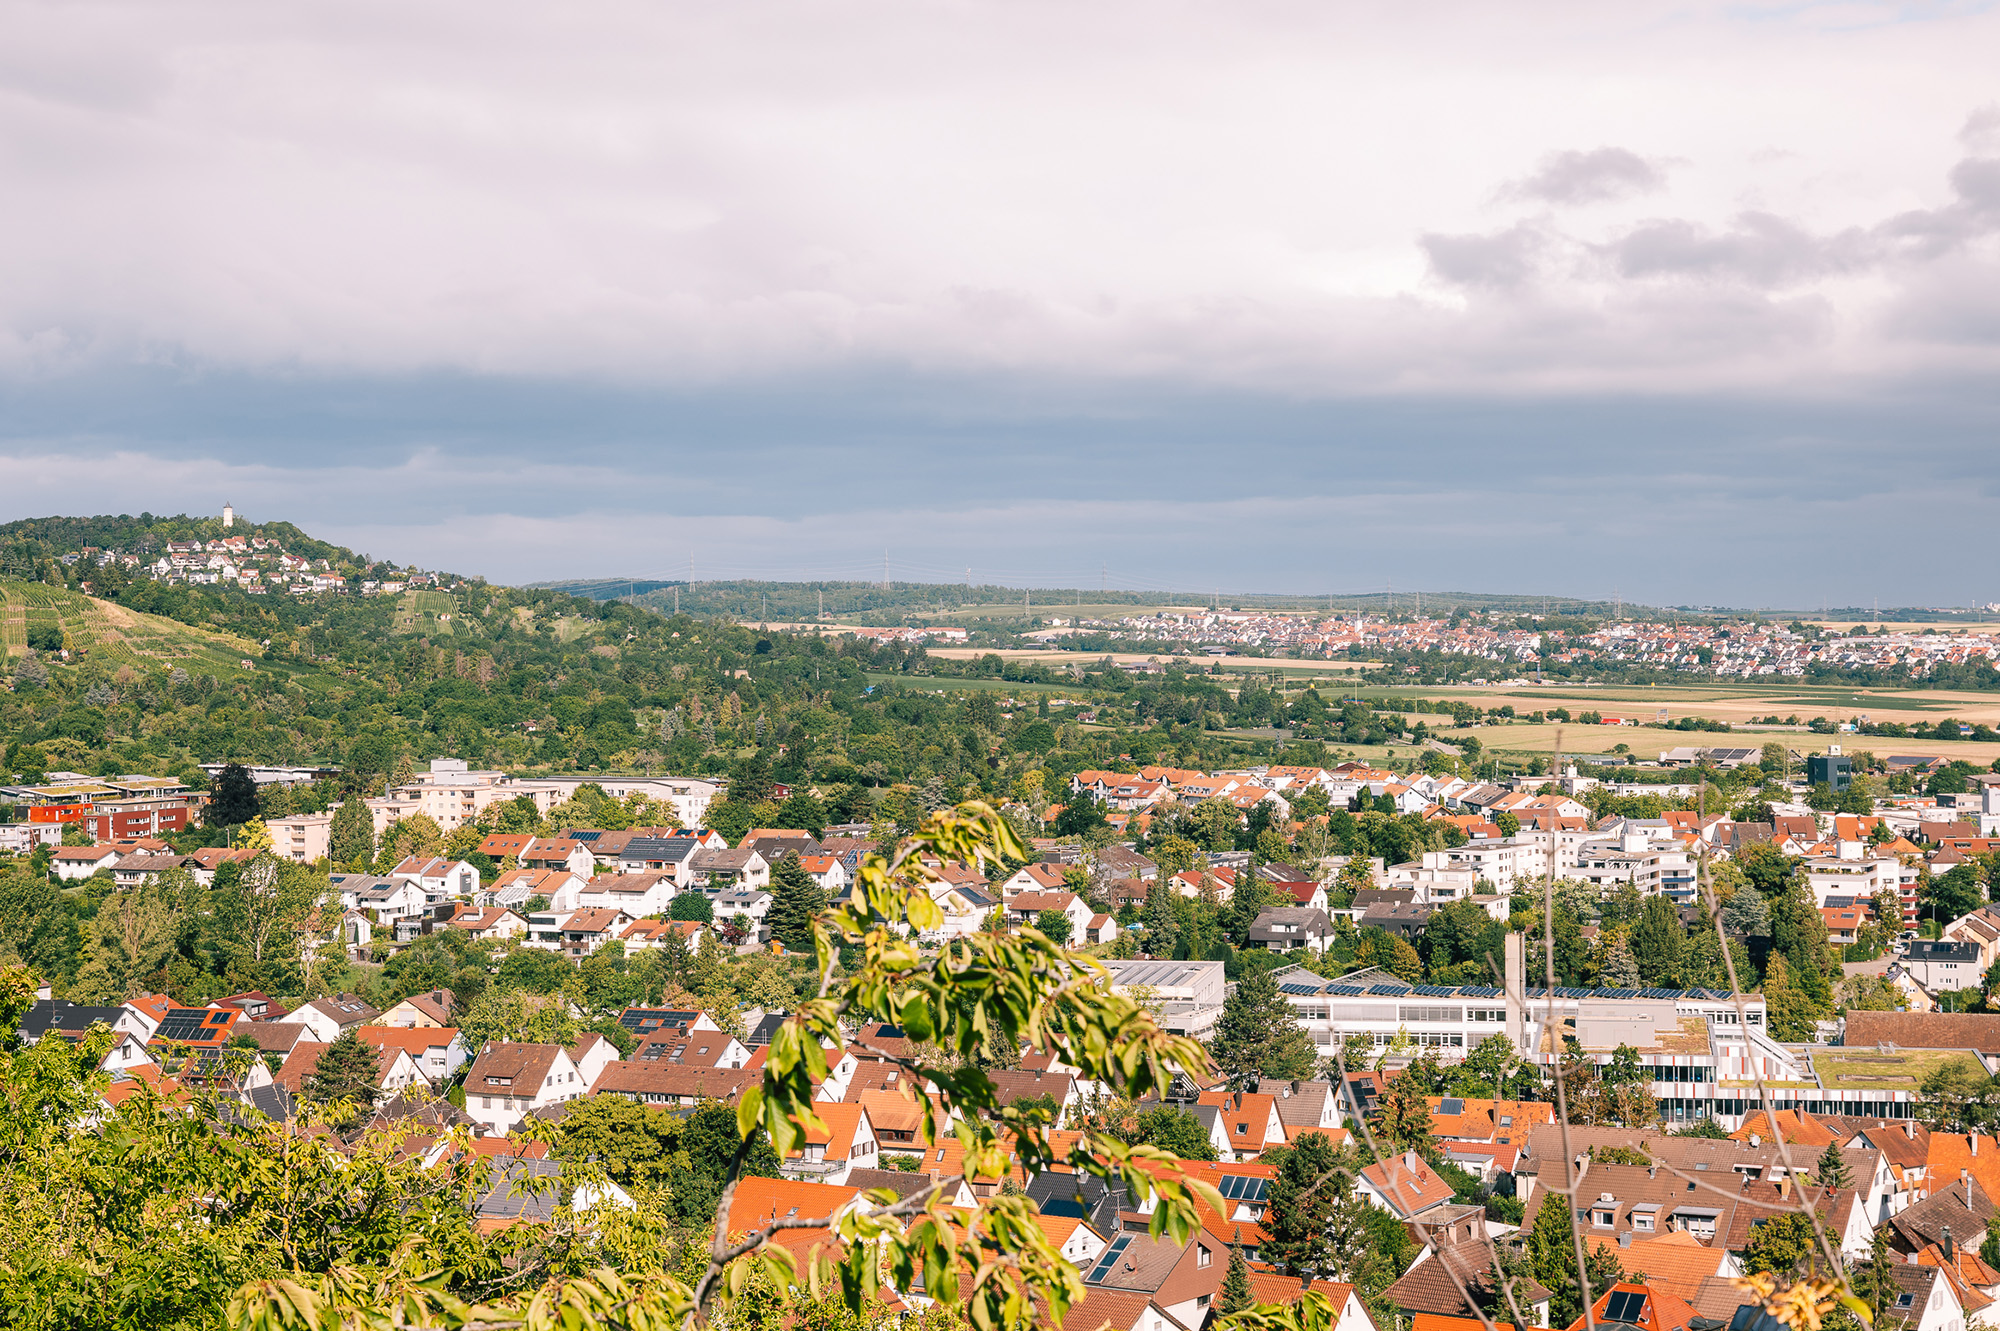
(228, 517)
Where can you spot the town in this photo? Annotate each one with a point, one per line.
(551, 964)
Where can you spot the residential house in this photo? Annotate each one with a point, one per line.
(644, 934)
(387, 900)
(508, 1080)
(1289, 928)
(327, 1018)
(828, 1154)
(1037, 878)
(395, 1070)
(827, 871)
(749, 903)
(1181, 1280)
(1453, 1275)
(663, 1084)
(496, 922)
(211, 858)
(433, 1008)
(1250, 1122)
(1024, 907)
(436, 1051)
(515, 888)
(672, 855)
(130, 871)
(441, 879)
(559, 853)
(636, 894)
(74, 863)
(719, 870)
(579, 932)
(1404, 1186)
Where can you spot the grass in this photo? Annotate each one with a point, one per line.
(103, 631)
(1864, 1070)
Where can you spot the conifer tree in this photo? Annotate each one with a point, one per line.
(1831, 1171)
(795, 900)
(1259, 1036)
(346, 1070)
(1236, 1295)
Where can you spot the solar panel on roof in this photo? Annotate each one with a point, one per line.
(1298, 988)
(182, 1024)
(1625, 1305)
(1388, 989)
(1620, 993)
(1109, 1260)
(1451, 1107)
(1346, 991)
(1243, 1187)
(585, 836)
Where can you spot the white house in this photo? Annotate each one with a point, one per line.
(637, 894)
(1024, 907)
(508, 1080)
(439, 878)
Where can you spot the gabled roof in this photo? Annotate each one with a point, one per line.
(505, 1065)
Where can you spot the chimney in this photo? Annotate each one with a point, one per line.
(1785, 1187)
(1755, 1140)
(1625, 1239)
(1909, 1130)
(1974, 1139)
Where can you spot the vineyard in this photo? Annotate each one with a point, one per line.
(101, 631)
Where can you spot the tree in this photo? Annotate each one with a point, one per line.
(1215, 823)
(1081, 815)
(1791, 1012)
(352, 833)
(691, 906)
(796, 901)
(1236, 1293)
(1055, 924)
(1551, 1253)
(1299, 1206)
(1172, 1128)
(346, 1073)
(520, 1016)
(1508, 824)
(1832, 1172)
(1401, 1120)
(1658, 940)
(1162, 918)
(1780, 1244)
(130, 943)
(1259, 1035)
(234, 798)
(1747, 914)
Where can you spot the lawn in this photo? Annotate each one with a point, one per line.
(1864, 1070)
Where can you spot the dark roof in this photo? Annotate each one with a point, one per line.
(57, 1014)
(645, 1020)
(1081, 1196)
(1428, 1287)
(520, 1189)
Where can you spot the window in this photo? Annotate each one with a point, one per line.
(1242, 1128)
(1201, 1256)
(485, 1102)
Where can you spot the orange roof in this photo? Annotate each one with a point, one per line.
(1800, 1128)
(1662, 1311)
(1439, 1322)
(1677, 1262)
(759, 1201)
(416, 1041)
(843, 1123)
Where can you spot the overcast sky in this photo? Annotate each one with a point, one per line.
(1691, 304)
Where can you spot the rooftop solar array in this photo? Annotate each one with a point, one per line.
(1244, 1187)
(1625, 1305)
(1338, 990)
(185, 1024)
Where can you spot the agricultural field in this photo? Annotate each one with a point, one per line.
(103, 631)
(1737, 704)
(428, 614)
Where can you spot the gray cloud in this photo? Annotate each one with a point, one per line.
(1757, 250)
(1594, 176)
(1501, 259)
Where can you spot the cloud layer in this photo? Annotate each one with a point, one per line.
(518, 283)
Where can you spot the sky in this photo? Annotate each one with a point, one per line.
(1684, 303)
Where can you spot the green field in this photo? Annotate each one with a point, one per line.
(103, 631)
(428, 614)
(1865, 1069)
